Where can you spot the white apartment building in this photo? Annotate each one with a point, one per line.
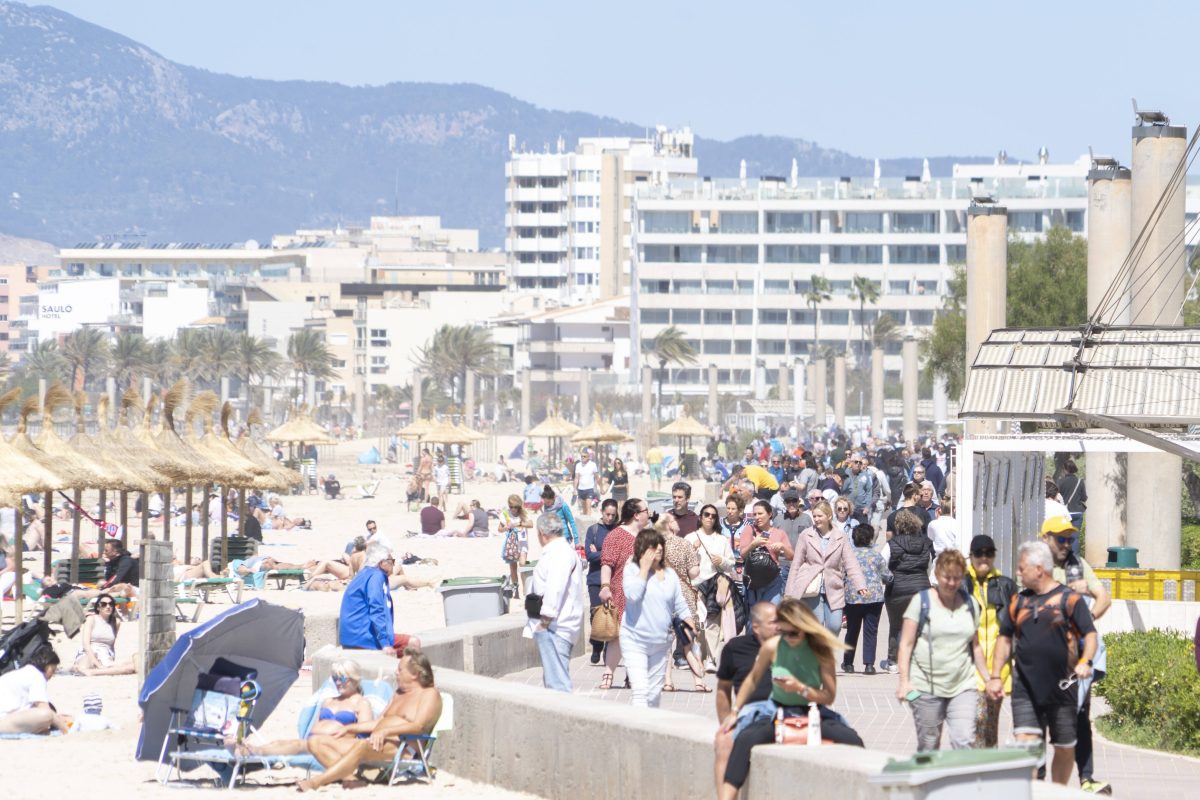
(568, 215)
(729, 261)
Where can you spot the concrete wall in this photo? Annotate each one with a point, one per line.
(1144, 615)
(156, 605)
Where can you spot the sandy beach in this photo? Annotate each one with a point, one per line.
(84, 764)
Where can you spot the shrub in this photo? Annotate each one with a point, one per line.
(1152, 683)
(1190, 544)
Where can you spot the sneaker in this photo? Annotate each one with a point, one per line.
(883, 665)
(1093, 786)
(869, 669)
(848, 669)
(893, 668)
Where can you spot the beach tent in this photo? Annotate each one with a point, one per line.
(370, 457)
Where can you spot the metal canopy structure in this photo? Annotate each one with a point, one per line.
(1087, 377)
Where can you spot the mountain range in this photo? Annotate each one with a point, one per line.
(100, 136)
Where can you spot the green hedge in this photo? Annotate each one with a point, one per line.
(1153, 687)
(1190, 544)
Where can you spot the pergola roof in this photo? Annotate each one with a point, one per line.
(1140, 375)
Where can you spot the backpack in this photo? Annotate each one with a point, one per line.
(759, 568)
(1067, 601)
(923, 620)
(19, 644)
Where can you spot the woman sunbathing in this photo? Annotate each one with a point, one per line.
(347, 708)
(98, 655)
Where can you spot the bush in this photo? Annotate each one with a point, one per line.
(1152, 685)
(1189, 545)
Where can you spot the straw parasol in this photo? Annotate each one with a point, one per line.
(299, 429)
(599, 431)
(119, 473)
(415, 429)
(196, 468)
(20, 473)
(238, 469)
(446, 432)
(685, 427)
(50, 450)
(553, 428)
(278, 476)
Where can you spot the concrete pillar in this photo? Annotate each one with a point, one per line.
(1157, 288)
(147, 389)
(798, 393)
(268, 403)
(526, 400)
(360, 402)
(585, 397)
(819, 394)
(110, 389)
(417, 391)
(783, 382)
(839, 391)
(42, 395)
(469, 400)
(647, 395)
(310, 393)
(1109, 220)
(941, 403)
(987, 281)
(714, 407)
(810, 381)
(910, 376)
(877, 391)
(760, 380)
(224, 389)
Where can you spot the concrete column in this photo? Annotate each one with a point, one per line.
(839, 391)
(783, 382)
(647, 395)
(360, 402)
(268, 402)
(941, 403)
(910, 376)
(147, 389)
(310, 393)
(1109, 220)
(714, 407)
(110, 389)
(810, 381)
(760, 380)
(798, 393)
(819, 394)
(987, 273)
(469, 400)
(877, 391)
(585, 397)
(1157, 287)
(417, 387)
(526, 400)
(42, 395)
(224, 389)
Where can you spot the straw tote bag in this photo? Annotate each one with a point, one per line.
(606, 626)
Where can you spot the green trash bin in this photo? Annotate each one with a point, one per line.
(470, 599)
(1122, 558)
(1000, 774)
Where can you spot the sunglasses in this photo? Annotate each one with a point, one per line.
(788, 632)
(1064, 539)
(708, 515)
(984, 553)
(104, 603)
(341, 680)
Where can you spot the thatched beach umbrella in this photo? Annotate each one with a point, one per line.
(553, 428)
(299, 429)
(278, 476)
(685, 427)
(599, 431)
(129, 451)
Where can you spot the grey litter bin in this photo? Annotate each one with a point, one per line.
(524, 573)
(469, 599)
(1001, 774)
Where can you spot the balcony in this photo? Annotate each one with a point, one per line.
(576, 348)
(536, 219)
(536, 195)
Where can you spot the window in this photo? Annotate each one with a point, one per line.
(667, 221)
(686, 287)
(898, 287)
(685, 316)
(790, 222)
(743, 316)
(655, 316)
(793, 254)
(720, 347)
(956, 253)
(777, 287)
(526, 258)
(802, 287)
(1075, 221)
(860, 222)
(910, 254)
(741, 347)
(772, 316)
(799, 348)
(718, 316)
(550, 258)
(527, 208)
(527, 183)
(526, 233)
(548, 233)
(839, 287)
(927, 287)
(586, 201)
(738, 222)
(585, 227)
(378, 333)
(746, 286)
(865, 317)
(772, 347)
(551, 208)
(656, 287)
(802, 316)
(719, 287)
(551, 183)
(1025, 221)
(856, 254)
(586, 253)
(835, 316)
(904, 222)
(920, 318)
(733, 254)
(672, 253)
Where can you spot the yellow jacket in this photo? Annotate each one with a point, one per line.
(989, 627)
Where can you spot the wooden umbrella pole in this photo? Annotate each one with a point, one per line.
(204, 522)
(224, 531)
(166, 515)
(19, 567)
(47, 531)
(76, 521)
(187, 528)
(145, 515)
(124, 518)
(242, 511)
(103, 505)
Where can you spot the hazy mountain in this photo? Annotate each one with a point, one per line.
(100, 135)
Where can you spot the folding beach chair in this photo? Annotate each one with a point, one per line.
(411, 761)
(282, 576)
(221, 707)
(366, 491)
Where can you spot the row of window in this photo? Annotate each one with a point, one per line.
(742, 222)
(534, 233)
(774, 286)
(736, 376)
(543, 208)
(539, 183)
(779, 316)
(797, 254)
(778, 347)
(539, 258)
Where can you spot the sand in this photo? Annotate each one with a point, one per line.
(86, 764)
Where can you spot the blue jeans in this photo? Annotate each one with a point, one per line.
(555, 653)
(832, 620)
(771, 593)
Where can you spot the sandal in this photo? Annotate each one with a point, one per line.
(668, 687)
(605, 681)
(700, 687)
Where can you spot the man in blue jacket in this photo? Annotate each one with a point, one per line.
(366, 619)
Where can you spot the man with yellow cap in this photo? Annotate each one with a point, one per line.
(1077, 575)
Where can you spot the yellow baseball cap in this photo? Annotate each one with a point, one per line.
(1059, 524)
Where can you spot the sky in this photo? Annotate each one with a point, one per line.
(876, 79)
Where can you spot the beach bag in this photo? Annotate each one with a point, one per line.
(20, 643)
(512, 547)
(759, 568)
(606, 625)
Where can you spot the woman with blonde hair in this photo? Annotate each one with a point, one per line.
(803, 666)
(515, 524)
(333, 714)
(680, 556)
(824, 563)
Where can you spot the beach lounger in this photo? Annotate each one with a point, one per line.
(282, 576)
(366, 491)
(204, 588)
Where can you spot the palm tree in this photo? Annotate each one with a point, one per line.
(433, 395)
(44, 361)
(163, 369)
(131, 358)
(187, 353)
(86, 350)
(255, 359)
(456, 350)
(819, 291)
(308, 355)
(669, 347)
(865, 291)
(885, 330)
(218, 354)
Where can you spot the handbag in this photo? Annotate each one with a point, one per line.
(533, 605)
(794, 730)
(512, 547)
(813, 589)
(683, 633)
(606, 626)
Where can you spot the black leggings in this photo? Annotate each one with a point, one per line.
(763, 732)
(896, 606)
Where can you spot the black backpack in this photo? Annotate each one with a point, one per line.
(759, 568)
(19, 644)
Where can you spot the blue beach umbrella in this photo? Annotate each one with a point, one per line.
(256, 634)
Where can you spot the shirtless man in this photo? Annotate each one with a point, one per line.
(415, 708)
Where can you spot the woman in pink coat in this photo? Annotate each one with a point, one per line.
(823, 556)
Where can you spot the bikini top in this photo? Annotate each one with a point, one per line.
(341, 717)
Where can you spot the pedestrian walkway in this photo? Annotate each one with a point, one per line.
(869, 702)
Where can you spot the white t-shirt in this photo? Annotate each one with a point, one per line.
(377, 539)
(585, 473)
(441, 474)
(21, 688)
(944, 533)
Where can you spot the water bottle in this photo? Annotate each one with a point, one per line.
(779, 726)
(814, 725)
